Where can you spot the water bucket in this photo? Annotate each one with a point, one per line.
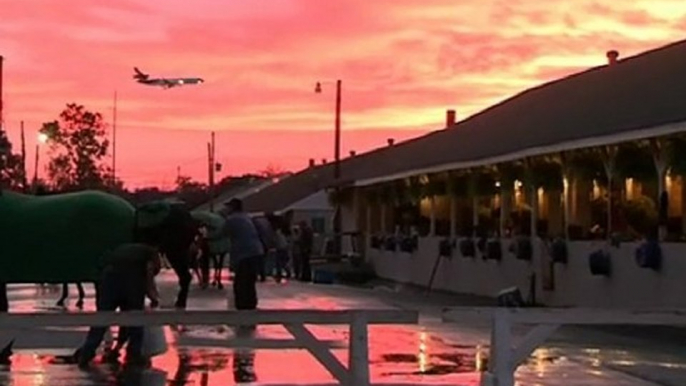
(154, 341)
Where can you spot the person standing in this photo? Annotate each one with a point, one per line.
(246, 249)
(267, 235)
(281, 249)
(305, 241)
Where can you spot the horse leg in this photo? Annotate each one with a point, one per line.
(82, 295)
(220, 267)
(4, 302)
(65, 294)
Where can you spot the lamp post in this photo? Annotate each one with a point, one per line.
(42, 138)
(337, 225)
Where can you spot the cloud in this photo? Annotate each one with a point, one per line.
(403, 62)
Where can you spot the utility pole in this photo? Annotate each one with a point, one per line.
(114, 140)
(24, 179)
(210, 165)
(338, 220)
(2, 120)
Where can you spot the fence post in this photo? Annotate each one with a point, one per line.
(358, 357)
(501, 348)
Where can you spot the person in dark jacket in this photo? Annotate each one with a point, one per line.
(127, 277)
(244, 257)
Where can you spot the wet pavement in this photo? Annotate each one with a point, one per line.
(432, 353)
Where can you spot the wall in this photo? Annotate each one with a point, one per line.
(629, 285)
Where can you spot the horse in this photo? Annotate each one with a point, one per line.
(61, 238)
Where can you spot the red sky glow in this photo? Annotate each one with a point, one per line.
(403, 63)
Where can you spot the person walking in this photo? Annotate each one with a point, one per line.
(246, 250)
(281, 249)
(128, 275)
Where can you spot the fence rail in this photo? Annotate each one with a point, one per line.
(355, 374)
(506, 356)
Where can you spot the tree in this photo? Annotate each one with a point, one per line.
(11, 168)
(191, 192)
(272, 171)
(78, 149)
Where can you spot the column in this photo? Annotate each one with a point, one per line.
(432, 216)
(660, 160)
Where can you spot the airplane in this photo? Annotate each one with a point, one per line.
(165, 83)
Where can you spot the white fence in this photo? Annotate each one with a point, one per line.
(355, 374)
(506, 356)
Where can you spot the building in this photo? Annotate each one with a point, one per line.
(553, 190)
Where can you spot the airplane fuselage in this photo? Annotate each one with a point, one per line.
(164, 82)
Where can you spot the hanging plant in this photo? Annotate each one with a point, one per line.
(634, 160)
(676, 155)
(508, 173)
(415, 189)
(436, 187)
(460, 185)
(545, 174)
(400, 192)
(585, 164)
(484, 183)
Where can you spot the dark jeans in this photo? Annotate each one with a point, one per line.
(205, 268)
(180, 262)
(123, 292)
(282, 264)
(262, 266)
(245, 278)
(305, 268)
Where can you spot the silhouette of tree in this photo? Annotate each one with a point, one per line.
(78, 150)
(272, 171)
(193, 193)
(11, 168)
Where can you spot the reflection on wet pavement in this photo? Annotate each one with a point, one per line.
(430, 354)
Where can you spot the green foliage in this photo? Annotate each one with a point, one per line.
(11, 167)
(508, 172)
(641, 214)
(78, 150)
(191, 192)
(546, 174)
(634, 160)
(676, 155)
(585, 164)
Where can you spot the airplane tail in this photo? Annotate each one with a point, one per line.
(139, 75)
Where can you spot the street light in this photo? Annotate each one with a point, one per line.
(42, 138)
(337, 165)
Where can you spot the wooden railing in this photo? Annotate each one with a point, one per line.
(506, 356)
(355, 374)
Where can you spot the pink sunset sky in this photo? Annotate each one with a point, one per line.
(403, 63)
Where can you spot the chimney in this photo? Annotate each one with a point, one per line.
(311, 162)
(391, 141)
(450, 118)
(353, 153)
(323, 161)
(612, 57)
